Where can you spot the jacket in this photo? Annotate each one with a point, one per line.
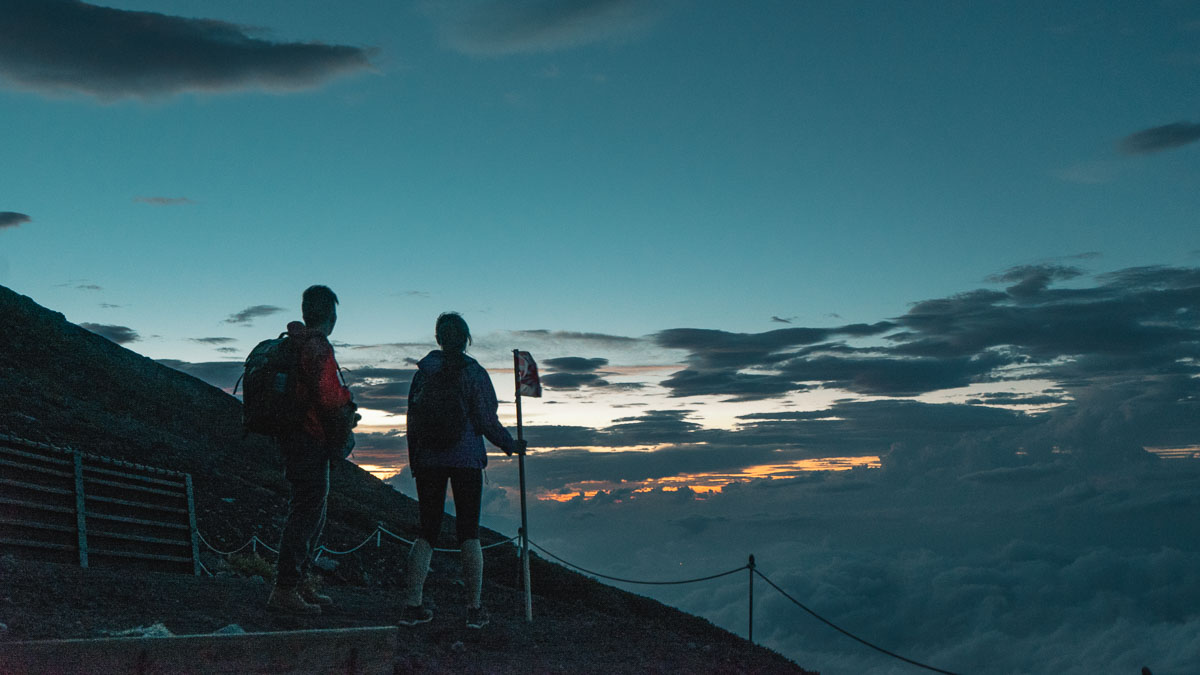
(325, 415)
(480, 396)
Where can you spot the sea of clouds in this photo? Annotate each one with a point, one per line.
(1064, 566)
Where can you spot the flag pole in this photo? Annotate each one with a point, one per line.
(524, 517)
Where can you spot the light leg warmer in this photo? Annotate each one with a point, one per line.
(415, 570)
(472, 570)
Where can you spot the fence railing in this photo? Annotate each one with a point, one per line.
(63, 505)
(254, 544)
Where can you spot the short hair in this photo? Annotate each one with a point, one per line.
(452, 332)
(318, 305)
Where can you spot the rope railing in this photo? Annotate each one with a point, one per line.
(753, 571)
(255, 542)
(633, 581)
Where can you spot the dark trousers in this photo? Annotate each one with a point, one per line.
(308, 472)
(431, 496)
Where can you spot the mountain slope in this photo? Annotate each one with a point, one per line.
(62, 384)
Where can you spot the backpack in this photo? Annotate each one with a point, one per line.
(270, 403)
(437, 414)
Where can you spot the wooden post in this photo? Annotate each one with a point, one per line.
(80, 510)
(751, 568)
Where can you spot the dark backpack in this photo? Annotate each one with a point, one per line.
(437, 414)
(270, 399)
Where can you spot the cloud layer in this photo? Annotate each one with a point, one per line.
(13, 219)
(248, 315)
(498, 27)
(71, 46)
(1157, 139)
(118, 334)
(1131, 323)
(164, 201)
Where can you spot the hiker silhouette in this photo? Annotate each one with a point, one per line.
(325, 416)
(450, 388)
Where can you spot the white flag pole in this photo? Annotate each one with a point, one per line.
(524, 517)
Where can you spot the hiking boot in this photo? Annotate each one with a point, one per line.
(477, 617)
(312, 597)
(411, 616)
(289, 600)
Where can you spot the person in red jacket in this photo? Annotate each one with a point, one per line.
(322, 436)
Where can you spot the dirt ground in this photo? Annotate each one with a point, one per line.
(45, 601)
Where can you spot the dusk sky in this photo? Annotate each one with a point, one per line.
(951, 244)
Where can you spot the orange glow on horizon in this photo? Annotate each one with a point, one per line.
(705, 483)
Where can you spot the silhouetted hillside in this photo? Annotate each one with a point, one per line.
(62, 384)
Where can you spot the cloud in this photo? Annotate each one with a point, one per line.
(249, 314)
(500, 27)
(214, 340)
(220, 374)
(13, 219)
(1126, 324)
(118, 334)
(70, 46)
(573, 372)
(574, 336)
(1090, 173)
(383, 389)
(573, 380)
(575, 364)
(1029, 280)
(778, 319)
(164, 201)
(1038, 568)
(1157, 139)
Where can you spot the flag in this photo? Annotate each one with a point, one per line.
(528, 383)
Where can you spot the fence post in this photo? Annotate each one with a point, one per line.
(80, 510)
(191, 506)
(751, 568)
(378, 533)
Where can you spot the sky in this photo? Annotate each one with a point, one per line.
(902, 298)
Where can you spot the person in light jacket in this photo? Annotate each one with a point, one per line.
(461, 465)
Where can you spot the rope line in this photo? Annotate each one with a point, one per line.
(501, 543)
(264, 544)
(323, 549)
(397, 537)
(632, 581)
(846, 633)
(214, 549)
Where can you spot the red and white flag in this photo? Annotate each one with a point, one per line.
(528, 383)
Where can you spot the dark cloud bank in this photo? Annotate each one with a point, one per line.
(71, 46)
(1157, 139)
(118, 334)
(248, 315)
(13, 219)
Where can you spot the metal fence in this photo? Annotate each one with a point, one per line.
(63, 505)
